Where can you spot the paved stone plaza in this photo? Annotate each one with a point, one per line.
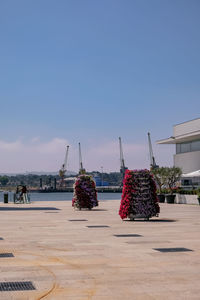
(66, 255)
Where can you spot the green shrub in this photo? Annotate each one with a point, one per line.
(188, 192)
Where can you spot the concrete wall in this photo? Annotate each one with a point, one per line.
(186, 199)
(188, 162)
(186, 127)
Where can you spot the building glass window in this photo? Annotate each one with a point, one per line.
(188, 147)
(185, 147)
(178, 148)
(195, 146)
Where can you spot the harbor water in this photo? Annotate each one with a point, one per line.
(61, 196)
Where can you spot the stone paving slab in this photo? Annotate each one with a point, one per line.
(68, 260)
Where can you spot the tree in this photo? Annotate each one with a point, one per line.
(4, 180)
(160, 175)
(172, 176)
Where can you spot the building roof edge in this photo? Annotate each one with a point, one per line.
(186, 122)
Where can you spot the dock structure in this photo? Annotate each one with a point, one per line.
(100, 189)
(48, 250)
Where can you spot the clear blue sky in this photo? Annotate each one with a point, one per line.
(90, 71)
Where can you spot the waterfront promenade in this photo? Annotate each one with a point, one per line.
(66, 255)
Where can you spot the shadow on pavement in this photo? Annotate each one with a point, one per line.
(162, 220)
(98, 209)
(28, 208)
(151, 220)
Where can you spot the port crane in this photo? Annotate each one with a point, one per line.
(153, 164)
(122, 163)
(81, 169)
(63, 169)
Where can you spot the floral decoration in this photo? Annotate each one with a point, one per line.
(85, 194)
(139, 196)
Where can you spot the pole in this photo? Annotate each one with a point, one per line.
(101, 176)
(55, 182)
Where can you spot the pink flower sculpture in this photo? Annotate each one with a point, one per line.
(85, 194)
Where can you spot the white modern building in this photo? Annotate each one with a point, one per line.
(186, 137)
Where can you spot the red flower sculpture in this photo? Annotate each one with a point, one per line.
(139, 195)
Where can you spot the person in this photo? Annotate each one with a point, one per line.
(18, 195)
(24, 194)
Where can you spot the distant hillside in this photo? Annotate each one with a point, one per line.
(69, 173)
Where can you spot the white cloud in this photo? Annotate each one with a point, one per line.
(136, 156)
(34, 155)
(107, 155)
(37, 155)
(10, 147)
(35, 139)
